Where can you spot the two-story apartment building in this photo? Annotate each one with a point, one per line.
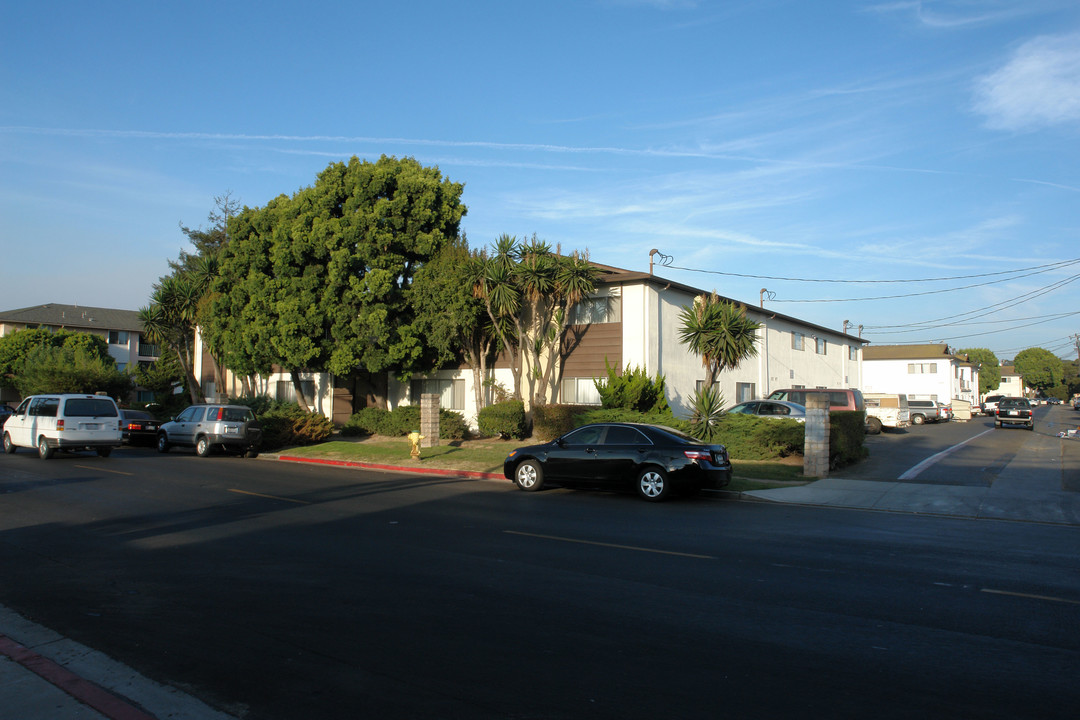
(930, 372)
(120, 328)
(632, 320)
(1012, 383)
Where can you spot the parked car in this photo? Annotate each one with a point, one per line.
(64, 422)
(138, 427)
(1014, 411)
(886, 410)
(770, 409)
(656, 461)
(945, 411)
(839, 399)
(6, 411)
(210, 427)
(989, 404)
(923, 411)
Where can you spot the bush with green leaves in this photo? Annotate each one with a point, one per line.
(748, 437)
(847, 434)
(290, 425)
(368, 421)
(552, 421)
(504, 419)
(598, 415)
(633, 390)
(70, 369)
(707, 408)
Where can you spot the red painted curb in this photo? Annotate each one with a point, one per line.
(77, 687)
(396, 468)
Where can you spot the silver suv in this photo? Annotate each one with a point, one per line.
(64, 422)
(206, 427)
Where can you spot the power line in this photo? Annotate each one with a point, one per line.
(920, 294)
(1040, 268)
(928, 326)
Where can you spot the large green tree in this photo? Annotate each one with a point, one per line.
(19, 346)
(720, 332)
(989, 368)
(450, 318)
(1041, 369)
(320, 280)
(529, 292)
(75, 367)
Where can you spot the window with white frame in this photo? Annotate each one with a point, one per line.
(118, 337)
(921, 368)
(286, 392)
(580, 391)
(797, 340)
(744, 392)
(451, 392)
(595, 310)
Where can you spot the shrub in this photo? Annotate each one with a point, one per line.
(452, 425)
(504, 419)
(665, 418)
(633, 390)
(552, 421)
(366, 422)
(401, 421)
(708, 408)
(847, 433)
(754, 438)
(260, 404)
(290, 425)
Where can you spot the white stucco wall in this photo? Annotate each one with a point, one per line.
(892, 376)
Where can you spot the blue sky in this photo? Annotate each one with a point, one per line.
(826, 140)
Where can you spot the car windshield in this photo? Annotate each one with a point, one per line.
(1014, 403)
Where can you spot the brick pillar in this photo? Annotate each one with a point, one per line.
(429, 419)
(816, 450)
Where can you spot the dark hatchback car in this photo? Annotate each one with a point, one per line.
(138, 427)
(656, 461)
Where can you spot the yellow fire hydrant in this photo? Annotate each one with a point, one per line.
(414, 443)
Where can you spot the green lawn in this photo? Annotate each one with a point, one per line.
(488, 455)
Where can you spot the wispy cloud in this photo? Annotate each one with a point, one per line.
(949, 14)
(1038, 87)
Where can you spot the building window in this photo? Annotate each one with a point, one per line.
(118, 337)
(451, 392)
(146, 396)
(921, 368)
(592, 311)
(580, 391)
(744, 392)
(797, 341)
(121, 367)
(821, 346)
(852, 352)
(287, 393)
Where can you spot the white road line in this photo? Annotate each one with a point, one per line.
(914, 472)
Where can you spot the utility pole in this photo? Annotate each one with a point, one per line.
(1076, 339)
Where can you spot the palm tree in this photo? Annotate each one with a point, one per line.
(169, 321)
(720, 332)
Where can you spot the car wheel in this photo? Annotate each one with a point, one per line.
(997, 424)
(163, 443)
(1031, 426)
(529, 476)
(43, 450)
(252, 453)
(202, 446)
(653, 484)
(917, 419)
(104, 451)
(9, 447)
(873, 426)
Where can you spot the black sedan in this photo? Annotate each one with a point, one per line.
(138, 427)
(656, 461)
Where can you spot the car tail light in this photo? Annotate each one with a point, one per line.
(698, 454)
(60, 425)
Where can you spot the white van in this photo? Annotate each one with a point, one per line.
(64, 422)
(885, 410)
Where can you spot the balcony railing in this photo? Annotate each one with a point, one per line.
(148, 350)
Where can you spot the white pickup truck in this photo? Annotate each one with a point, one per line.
(886, 411)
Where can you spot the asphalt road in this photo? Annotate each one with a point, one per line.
(274, 590)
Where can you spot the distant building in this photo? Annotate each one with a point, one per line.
(927, 372)
(121, 329)
(1012, 383)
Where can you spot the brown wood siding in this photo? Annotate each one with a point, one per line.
(586, 347)
(341, 403)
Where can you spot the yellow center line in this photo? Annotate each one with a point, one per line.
(270, 497)
(1033, 597)
(609, 545)
(101, 469)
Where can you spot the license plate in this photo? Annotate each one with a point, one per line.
(91, 426)
(230, 430)
(1014, 412)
